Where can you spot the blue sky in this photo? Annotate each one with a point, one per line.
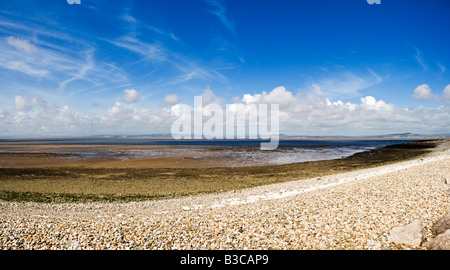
(104, 67)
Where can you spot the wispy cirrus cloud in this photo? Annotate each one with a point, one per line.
(148, 51)
(174, 67)
(25, 68)
(42, 54)
(82, 72)
(219, 10)
(348, 84)
(419, 58)
(441, 67)
(21, 44)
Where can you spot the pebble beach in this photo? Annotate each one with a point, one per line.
(352, 210)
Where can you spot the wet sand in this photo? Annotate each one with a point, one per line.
(53, 156)
(30, 176)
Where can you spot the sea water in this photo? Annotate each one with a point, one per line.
(218, 152)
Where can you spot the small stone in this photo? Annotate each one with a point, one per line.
(441, 225)
(410, 234)
(440, 242)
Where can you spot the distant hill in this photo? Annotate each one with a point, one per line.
(395, 135)
(409, 135)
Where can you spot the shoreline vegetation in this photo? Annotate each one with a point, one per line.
(84, 184)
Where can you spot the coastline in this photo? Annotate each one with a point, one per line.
(48, 153)
(351, 210)
(122, 181)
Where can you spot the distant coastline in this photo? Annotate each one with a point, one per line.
(164, 136)
(171, 141)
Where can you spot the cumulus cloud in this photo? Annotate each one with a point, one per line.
(446, 94)
(34, 118)
(116, 109)
(208, 97)
(171, 99)
(311, 114)
(317, 115)
(278, 95)
(3, 113)
(119, 118)
(131, 96)
(423, 92)
(372, 104)
(21, 103)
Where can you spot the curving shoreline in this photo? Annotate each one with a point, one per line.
(132, 182)
(350, 210)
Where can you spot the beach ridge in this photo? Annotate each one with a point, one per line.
(356, 213)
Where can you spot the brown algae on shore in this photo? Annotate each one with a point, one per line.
(124, 184)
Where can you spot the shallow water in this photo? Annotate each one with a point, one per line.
(224, 153)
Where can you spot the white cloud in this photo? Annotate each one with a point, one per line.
(317, 115)
(419, 58)
(116, 109)
(39, 102)
(446, 94)
(423, 92)
(313, 114)
(131, 96)
(151, 52)
(129, 18)
(56, 58)
(371, 103)
(25, 68)
(3, 113)
(208, 97)
(171, 99)
(175, 67)
(81, 74)
(122, 119)
(21, 103)
(348, 84)
(442, 68)
(21, 44)
(34, 118)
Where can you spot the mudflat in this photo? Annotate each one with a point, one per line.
(27, 175)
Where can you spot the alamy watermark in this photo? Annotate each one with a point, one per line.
(371, 2)
(238, 121)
